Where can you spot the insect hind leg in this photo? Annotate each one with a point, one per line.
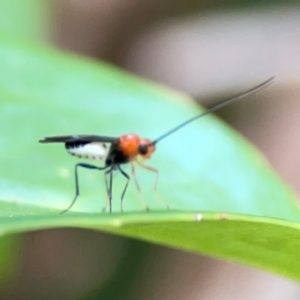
(77, 192)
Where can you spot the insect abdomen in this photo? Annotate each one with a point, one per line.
(89, 150)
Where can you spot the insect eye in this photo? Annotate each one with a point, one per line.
(143, 149)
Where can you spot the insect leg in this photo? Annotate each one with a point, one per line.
(126, 185)
(138, 187)
(83, 165)
(155, 183)
(109, 187)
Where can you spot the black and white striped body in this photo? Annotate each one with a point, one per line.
(89, 150)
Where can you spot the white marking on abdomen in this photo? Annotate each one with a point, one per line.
(94, 150)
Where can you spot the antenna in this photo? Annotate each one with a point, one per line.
(215, 107)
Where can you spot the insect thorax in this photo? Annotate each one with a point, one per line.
(115, 156)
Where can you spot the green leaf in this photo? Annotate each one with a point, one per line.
(225, 199)
(25, 18)
(9, 254)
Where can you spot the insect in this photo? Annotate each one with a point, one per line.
(128, 148)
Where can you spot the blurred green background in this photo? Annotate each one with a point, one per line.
(203, 48)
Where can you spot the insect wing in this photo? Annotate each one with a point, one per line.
(78, 138)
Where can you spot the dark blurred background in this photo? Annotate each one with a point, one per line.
(209, 49)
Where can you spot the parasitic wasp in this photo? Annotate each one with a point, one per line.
(128, 148)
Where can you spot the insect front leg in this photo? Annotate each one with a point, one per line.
(142, 199)
(151, 169)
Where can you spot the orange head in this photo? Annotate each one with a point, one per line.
(132, 145)
(146, 148)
